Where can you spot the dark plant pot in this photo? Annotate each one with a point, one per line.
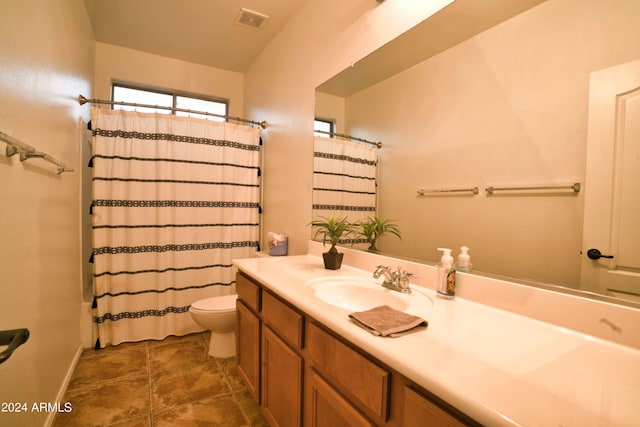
(332, 261)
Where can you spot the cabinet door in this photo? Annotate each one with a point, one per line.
(281, 382)
(420, 411)
(330, 409)
(248, 349)
(356, 376)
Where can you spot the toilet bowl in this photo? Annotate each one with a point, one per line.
(218, 314)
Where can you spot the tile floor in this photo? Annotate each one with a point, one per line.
(173, 382)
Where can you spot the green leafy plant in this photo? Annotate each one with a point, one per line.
(373, 228)
(332, 229)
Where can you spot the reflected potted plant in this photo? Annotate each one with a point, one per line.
(373, 228)
(332, 229)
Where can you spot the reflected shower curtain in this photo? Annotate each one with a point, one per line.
(174, 200)
(344, 179)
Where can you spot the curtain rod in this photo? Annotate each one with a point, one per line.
(377, 144)
(83, 100)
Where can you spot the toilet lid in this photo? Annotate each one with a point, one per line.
(222, 303)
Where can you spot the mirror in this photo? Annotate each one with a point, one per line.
(482, 96)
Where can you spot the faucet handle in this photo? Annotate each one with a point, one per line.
(405, 276)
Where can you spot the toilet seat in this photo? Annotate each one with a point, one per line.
(219, 304)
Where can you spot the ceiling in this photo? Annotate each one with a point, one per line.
(200, 31)
(455, 23)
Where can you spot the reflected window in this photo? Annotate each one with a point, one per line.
(323, 125)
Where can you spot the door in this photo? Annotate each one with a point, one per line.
(612, 184)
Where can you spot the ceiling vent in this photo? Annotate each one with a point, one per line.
(251, 19)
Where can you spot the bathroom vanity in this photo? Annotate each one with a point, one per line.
(306, 363)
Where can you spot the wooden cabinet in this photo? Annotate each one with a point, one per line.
(249, 292)
(302, 373)
(248, 333)
(283, 319)
(329, 409)
(419, 411)
(281, 382)
(248, 348)
(269, 338)
(282, 366)
(355, 375)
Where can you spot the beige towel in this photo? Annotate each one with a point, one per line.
(388, 322)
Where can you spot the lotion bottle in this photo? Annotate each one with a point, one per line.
(446, 285)
(464, 260)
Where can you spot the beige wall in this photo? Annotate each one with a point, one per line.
(507, 107)
(133, 66)
(46, 60)
(331, 107)
(321, 39)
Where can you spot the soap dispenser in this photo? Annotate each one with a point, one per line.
(464, 260)
(446, 285)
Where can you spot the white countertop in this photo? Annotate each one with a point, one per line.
(500, 368)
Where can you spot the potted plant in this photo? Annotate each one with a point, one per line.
(332, 229)
(373, 228)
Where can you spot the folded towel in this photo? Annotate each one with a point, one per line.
(388, 322)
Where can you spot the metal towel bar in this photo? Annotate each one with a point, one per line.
(27, 152)
(575, 187)
(423, 192)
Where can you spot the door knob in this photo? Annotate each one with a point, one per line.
(596, 254)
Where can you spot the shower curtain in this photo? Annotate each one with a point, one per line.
(344, 179)
(175, 199)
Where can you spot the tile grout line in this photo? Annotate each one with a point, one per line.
(225, 367)
(233, 393)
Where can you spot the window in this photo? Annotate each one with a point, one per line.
(326, 125)
(123, 93)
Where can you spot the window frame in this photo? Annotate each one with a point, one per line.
(173, 93)
(332, 126)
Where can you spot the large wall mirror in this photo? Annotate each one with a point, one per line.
(508, 94)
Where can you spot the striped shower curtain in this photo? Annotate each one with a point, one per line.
(174, 200)
(344, 179)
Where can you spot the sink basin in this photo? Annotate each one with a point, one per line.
(356, 294)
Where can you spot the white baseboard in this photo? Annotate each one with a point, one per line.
(63, 388)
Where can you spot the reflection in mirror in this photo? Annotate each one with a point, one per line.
(507, 105)
(344, 179)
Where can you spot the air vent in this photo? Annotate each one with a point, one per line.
(251, 19)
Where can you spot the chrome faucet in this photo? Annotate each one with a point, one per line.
(395, 280)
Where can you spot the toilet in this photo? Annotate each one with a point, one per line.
(218, 314)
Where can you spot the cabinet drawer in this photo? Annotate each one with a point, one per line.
(358, 377)
(286, 321)
(420, 411)
(248, 291)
